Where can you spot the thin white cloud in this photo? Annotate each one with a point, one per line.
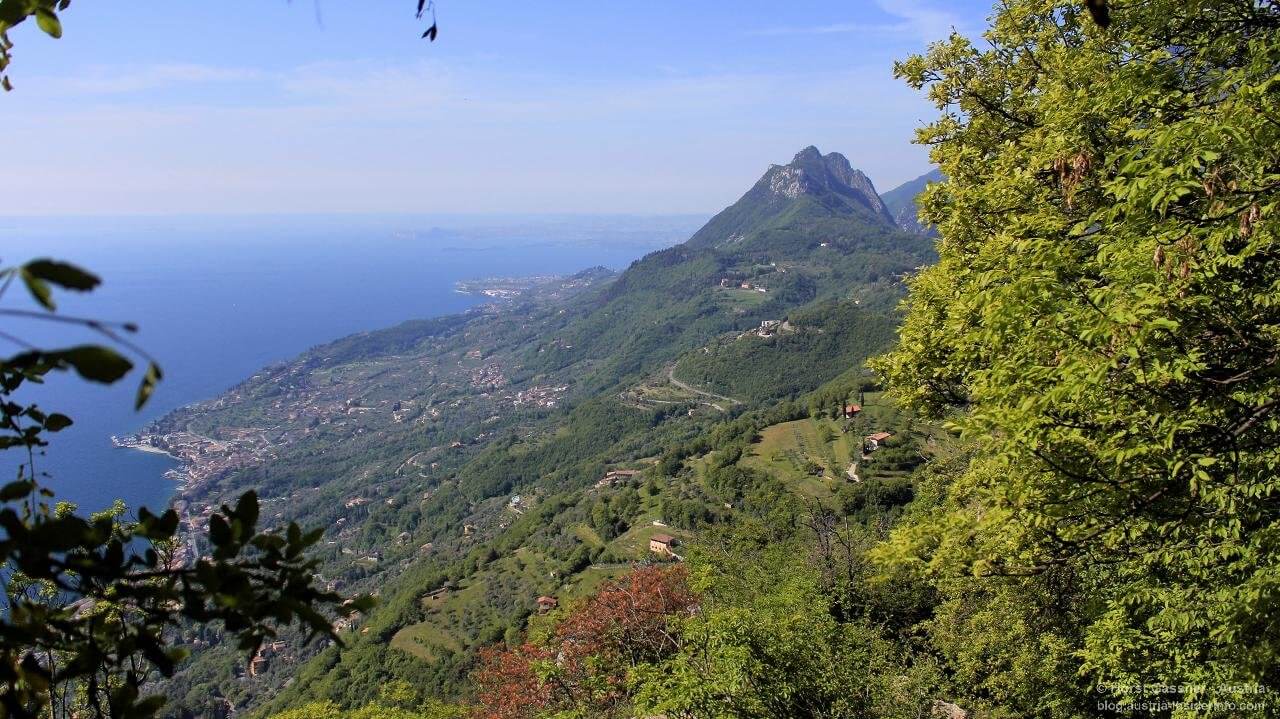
(848, 28)
(105, 80)
(929, 22)
(921, 21)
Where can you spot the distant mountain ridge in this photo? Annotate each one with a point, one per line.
(901, 202)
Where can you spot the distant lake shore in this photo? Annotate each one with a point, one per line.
(217, 300)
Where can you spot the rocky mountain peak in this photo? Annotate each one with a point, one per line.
(808, 154)
(811, 187)
(811, 172)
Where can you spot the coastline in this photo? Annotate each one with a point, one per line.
(148, 449)
(180, 474)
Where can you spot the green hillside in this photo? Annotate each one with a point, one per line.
(412, 444)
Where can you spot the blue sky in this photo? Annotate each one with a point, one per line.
(269, 106)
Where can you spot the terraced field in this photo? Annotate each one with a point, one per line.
(815, 456)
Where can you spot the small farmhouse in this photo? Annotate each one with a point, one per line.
(663, 544)
(875, 440)
(616, 476)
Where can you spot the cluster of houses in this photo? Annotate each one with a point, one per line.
(540, 396)
(262, 659)
(769, 328)
(871, 442)
(518, 503)
(744, 285)
(403, 409)
(489, 376)
(205, 457)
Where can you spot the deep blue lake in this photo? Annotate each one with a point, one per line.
(218, 298)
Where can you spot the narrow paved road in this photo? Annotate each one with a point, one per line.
(671, 375)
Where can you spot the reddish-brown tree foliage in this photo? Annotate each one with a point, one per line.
(509, 684)
(627, 622)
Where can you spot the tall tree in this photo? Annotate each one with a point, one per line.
(1106, 317)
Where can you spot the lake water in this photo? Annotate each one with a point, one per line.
(219, 298)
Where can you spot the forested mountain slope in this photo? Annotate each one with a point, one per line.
(812, 229)
(465, 448)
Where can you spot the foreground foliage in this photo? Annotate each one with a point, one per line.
(91, 603)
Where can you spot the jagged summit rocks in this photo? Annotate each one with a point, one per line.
(811, 172)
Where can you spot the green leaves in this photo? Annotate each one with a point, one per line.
(13, 12)
(48, 22)
(231, 529)
(148, 385)
(39, 290)
(63, 274)
(16, 490)
(92, 362)
(95, 362)
(1103, 321)
(157, 528)
(246, 512)
(132, 598)
(38, 275)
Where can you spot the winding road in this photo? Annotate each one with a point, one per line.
(671, 375)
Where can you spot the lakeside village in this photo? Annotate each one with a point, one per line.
(203, 459)
(304, 408)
